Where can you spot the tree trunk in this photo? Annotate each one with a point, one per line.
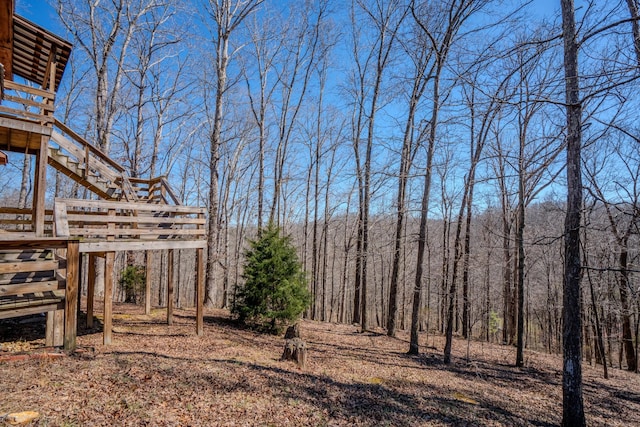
(520, 265)
(405, 164)
(598, 330)
(572, 404)
(215, 141)
(627, 337)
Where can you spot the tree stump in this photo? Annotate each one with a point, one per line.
(295, 349)
(293, 331)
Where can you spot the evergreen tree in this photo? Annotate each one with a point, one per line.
(275, 290)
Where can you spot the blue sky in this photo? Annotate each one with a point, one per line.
(39, 12)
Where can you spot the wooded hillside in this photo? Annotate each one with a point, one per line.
(416, 151)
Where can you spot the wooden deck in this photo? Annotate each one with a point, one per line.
(105, 227)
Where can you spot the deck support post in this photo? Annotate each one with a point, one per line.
(71, 296)
(91, 286)
(40, 187)
(48, 340)
(80, 273)
(170, 284)
(148, 255)
(108, 297)
(58, 327)
(199, 291)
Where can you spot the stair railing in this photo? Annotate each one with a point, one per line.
(155, 190)
(128, 192)
(91, 158)
(88, 157)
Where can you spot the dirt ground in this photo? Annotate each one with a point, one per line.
(159, 375)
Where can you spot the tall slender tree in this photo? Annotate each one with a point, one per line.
(385, 16)
(225, 18)
(572, 403)
(442, 33)
(421, 54)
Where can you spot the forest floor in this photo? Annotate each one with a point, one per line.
(159, 375)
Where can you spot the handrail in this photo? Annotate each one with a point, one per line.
(127, 189)
(168, 190)
(92, 158)
(88, 146)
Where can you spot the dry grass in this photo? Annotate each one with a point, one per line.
(161, 375)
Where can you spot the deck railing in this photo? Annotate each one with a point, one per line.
(19, 221)
(27, 103)
(111, 225)
(155, 190)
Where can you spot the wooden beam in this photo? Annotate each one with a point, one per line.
(48, 334)
(138, 245)
(108, 296)
(58, 328)
(28, 287)
(80, 274)
(7, 9)
(170, 287)
(199, 291)
(27, 267)
(109, 204)
(40, 187)
(144, 233)
(23, 241)
(141, 219)
(91, 286)
(71, 296)
(36, 309)
(61, 224)
(147, 290)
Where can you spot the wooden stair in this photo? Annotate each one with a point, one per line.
(87, 165)
(77, 172)
(76, 158)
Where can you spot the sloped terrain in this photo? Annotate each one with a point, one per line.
(159, 375)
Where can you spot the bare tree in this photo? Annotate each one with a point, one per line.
(441, 33)
(385, 18)
(420, 55)
(104, 32)
(295, 71)
(572, 405)
(258, 68)
(635, 26)
(226, 16)
(623, 217)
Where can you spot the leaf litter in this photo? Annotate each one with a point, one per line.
(159, 375)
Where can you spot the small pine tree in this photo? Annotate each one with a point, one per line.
(133, 281)
(275, 290)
